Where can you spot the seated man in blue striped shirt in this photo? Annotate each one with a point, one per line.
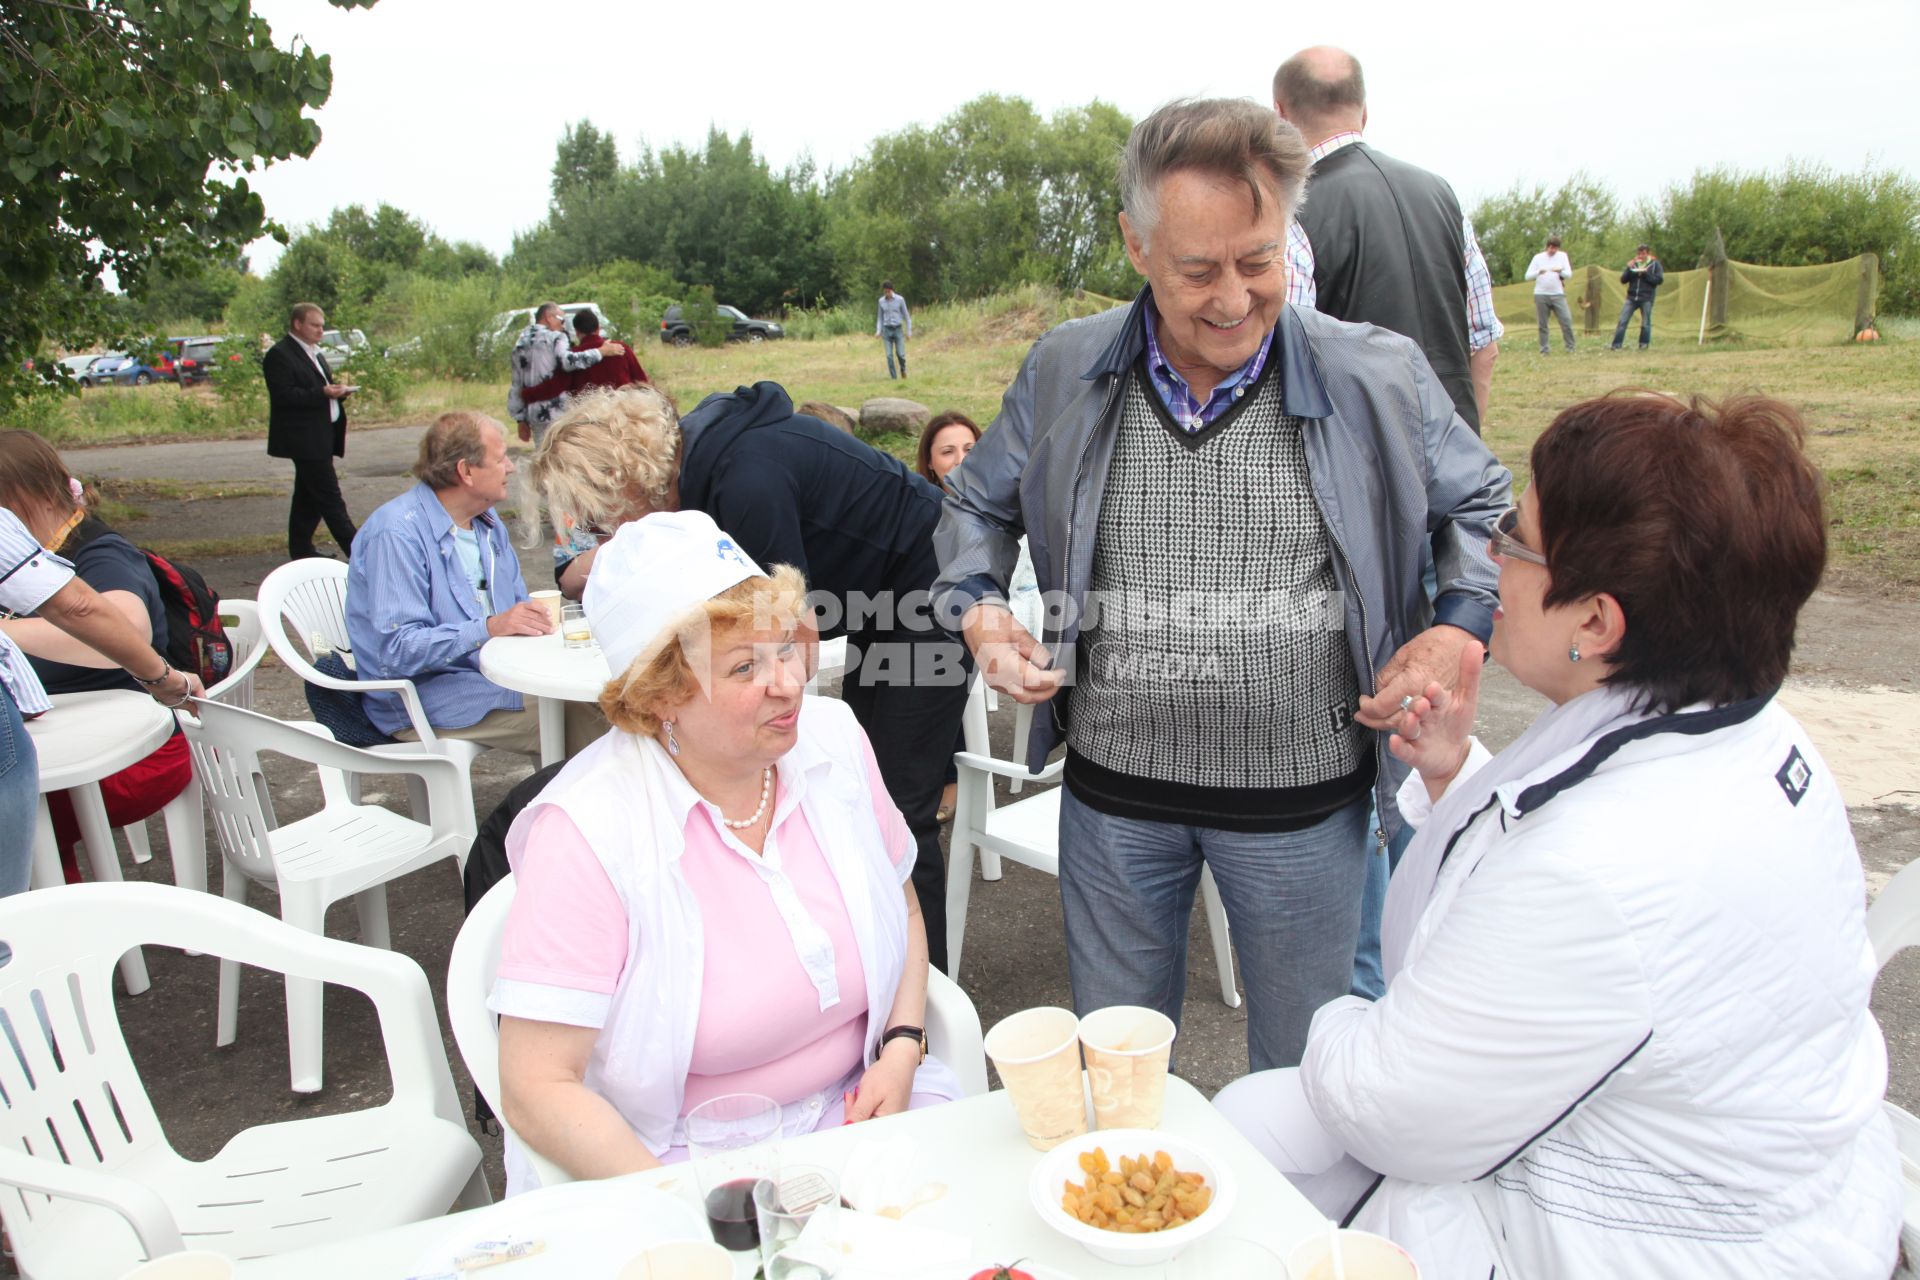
(433, 577)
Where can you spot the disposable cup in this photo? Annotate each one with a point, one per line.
(551, 602)
(1363, 1256)
(194, 1264)
(681, 1260)
(1037, 1053)
(1128, 1048)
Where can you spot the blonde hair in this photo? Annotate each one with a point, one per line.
(632, 700)
(613, 455)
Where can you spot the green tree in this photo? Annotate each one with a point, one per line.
(129, 129)
(1583, 212)
(585, 161)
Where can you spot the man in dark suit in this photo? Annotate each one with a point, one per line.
(307, 422)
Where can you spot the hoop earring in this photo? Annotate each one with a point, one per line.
(1573, 655)
(673, 743)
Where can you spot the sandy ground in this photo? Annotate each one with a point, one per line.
(1853, 687)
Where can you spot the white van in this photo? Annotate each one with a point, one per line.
(508, 324)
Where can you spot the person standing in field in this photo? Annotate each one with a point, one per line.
(1550, 270)
(617, 372)
(543, 369)
(893, 325)
(1383, 242)
(1642, 276)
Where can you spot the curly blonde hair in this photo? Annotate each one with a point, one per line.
(612, 456)
(632, 701)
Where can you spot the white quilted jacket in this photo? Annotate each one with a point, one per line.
(1631, 1037)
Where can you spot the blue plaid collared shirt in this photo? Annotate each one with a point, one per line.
(1178, 396)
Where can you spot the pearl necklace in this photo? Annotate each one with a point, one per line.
(766, 793)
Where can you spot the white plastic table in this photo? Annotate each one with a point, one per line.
(85, 738)
(549, 674)
(974, 1145)
(544, 670)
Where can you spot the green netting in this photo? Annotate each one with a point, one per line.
(1791, 306)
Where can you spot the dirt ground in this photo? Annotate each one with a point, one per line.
(1852, 686)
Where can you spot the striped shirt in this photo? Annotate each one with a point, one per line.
(29, 574)
(1483, 327)
(1178, 397)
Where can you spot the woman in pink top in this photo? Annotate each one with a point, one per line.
(714, 897)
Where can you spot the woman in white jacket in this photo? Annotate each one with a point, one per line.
(1625, 1031)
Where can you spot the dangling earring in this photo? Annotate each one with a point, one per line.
(673, 743)
(1573, 655)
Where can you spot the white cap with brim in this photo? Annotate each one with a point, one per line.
(652, 576)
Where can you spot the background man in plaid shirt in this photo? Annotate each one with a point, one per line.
(1400, 276)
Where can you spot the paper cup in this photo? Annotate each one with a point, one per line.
(1037, 1053)
(551, 602)
(681, 1260)
(1128, 1048)
(195, 1264)
(1363, 1256)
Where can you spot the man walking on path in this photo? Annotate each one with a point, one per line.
(1642, 276)
(1550, 270)
(893, 326)
(307, 423)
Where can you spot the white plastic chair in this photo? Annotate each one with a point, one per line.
(88, 1182)
(346, 849)
(953, 1025)
(1027, 831)
(184, 820)
(1893, 924)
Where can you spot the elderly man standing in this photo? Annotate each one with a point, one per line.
(1227, 500)
(307, 422)
(1383, 242)
(434, 577)
(543, 369)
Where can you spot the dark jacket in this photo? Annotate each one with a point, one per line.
(1389, 248)
(298, 423)
(1641, 284)
(793, 490)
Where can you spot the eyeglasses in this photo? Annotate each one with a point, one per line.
(1505, 545)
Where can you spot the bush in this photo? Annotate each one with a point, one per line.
(711, 326)
(828, 322)
(454, 327)
(236, 379)
(382, 379)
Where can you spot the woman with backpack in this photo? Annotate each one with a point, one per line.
(36, 486)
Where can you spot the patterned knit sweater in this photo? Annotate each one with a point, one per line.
(1216, 683)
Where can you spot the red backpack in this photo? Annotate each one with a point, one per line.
(196, 641)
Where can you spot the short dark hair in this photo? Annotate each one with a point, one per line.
(1308, 97)
(951, 418)
(886, 284)
(1646, 246)
(586, 320)
(1552, 241)
(1704, 521)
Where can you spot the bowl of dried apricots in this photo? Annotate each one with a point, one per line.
(1131, 1196)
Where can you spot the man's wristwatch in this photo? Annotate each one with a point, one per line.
(905, 1033)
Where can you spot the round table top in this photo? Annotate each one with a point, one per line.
(90, 736)
(544, 667)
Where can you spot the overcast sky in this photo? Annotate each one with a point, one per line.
(450, 109)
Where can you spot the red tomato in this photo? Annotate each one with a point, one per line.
(1009, 1272)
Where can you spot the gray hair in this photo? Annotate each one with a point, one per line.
(1233, 138)
(455, 437)
(540, 312)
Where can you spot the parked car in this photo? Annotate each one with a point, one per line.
(77, 366)
(508, 324)
(341, 345)
(100, 368)
(674, 329)
(124, 370)
(194, 360)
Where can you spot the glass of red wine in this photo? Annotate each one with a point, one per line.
(730, 1141)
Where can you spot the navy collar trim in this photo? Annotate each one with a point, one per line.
(1303, 393)
(1694, 723)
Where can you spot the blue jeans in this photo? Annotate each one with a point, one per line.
(1645, 308)
(894, 339)
(19, 798)
(1292, 901)
(1368, 978)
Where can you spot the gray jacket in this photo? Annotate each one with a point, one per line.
(1394, 470)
